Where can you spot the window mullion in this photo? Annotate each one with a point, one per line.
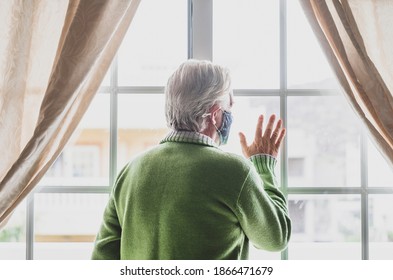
(113, 122)
(283, 101)
(30, 227)
(364, 195)
(189, 29)
(201, 33)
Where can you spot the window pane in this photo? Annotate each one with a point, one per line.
(13, 235)
(156, 43)
(323, 143)
(85, 160)
(66, 224)
(307, 65)
(246, 39)
(380, 174)
(142, 124)
(381, 226)
(325, 227)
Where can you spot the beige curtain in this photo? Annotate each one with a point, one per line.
(53, 57)
(357, 37)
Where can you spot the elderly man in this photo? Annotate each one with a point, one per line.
(186, 198)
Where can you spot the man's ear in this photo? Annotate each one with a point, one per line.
(213, 113)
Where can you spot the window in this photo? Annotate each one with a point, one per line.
(65, 224)
(325, 226)
(13, 235)
(296, 167)
(338, 186)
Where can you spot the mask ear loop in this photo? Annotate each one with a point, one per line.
(218, 131)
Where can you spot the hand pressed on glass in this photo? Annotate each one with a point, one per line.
(264, 143)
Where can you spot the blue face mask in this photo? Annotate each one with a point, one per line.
(223, 131)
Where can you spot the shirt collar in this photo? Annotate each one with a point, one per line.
(189, 137)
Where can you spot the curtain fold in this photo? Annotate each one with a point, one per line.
(54, 59)
(357, 39)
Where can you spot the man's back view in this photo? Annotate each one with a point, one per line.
(186, 198)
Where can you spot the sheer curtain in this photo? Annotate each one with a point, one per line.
(53, 57)
(357, 38)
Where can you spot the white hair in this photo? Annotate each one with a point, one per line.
(192, 90)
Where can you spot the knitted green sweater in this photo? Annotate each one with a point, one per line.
(187, 199)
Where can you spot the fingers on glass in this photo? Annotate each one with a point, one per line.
(269, 127)
(243, 140)
(273, 136)
(279, 140)
(258, 131)
(277, 131)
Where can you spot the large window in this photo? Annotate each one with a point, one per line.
(339, 187)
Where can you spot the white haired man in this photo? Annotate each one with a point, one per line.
(188, 199)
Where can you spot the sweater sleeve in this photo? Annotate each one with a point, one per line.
(108, 239)
(262, 207)
(107, 244)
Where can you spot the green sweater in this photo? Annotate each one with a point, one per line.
(187, 199)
